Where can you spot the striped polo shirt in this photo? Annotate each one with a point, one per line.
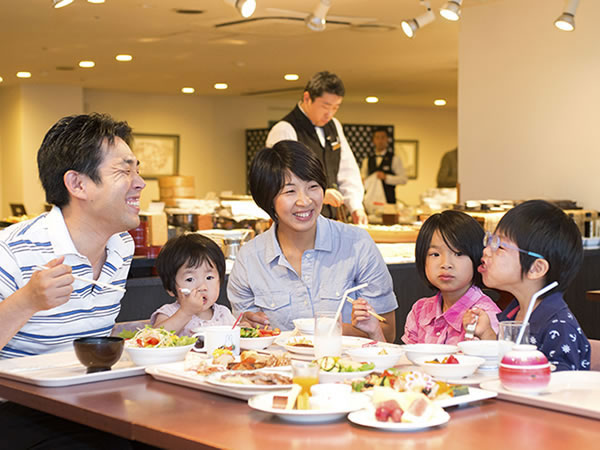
(91, 310)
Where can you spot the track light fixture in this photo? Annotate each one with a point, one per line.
(60, 3)
(245, 7)
(411, 26)
(316, 20)
(451, 10)
(566, 21)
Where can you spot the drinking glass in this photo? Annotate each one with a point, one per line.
(305, 374)
(328, 334)
(507, 336)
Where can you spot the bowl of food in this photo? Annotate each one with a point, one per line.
(452, 367)
(414, 351)
(488, 350)
(257, 338)
(382, 357)
(151, 346)
(525, 369)
(98, 354)
(334, 369)
(305, 326)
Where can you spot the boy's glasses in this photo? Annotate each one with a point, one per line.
(493, 242)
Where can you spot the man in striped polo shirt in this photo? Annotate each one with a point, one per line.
(91, 176)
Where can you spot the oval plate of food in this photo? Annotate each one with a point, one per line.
(265, 403)
(257, 381)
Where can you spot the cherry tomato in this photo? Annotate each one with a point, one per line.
(152, 341)
(451, 360)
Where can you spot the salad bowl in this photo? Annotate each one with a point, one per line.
(382, 357)
(414, 351)
(152, 346)
(466, 366)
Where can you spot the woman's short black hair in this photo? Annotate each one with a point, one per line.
(461, 232)
(271, 165)
(190, 250)
(76, 143)
(541, 227)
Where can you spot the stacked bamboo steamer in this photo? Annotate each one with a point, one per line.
(174, 187)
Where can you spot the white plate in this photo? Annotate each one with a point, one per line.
(62, 369)
(285, 340)
(569, 391)
(264, 403)
(215, 379)
(366, 418)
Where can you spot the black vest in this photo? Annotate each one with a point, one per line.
(328, 155)
(386, 167)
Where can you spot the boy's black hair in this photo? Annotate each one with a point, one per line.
(271, 165)
(461, 232)
(541, 227)
(190, 250)
(324, 83)
(76, 143)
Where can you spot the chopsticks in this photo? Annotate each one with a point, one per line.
(87, 280)
(374, 314)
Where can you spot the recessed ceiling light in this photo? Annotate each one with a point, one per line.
(188, 90)
(1, 79)
(221, 86)
(61, 3)
(439, 102)
(24, 74)
(96, 1)
(291, 76)
(123, 58)
(86, 64)
(372, 99)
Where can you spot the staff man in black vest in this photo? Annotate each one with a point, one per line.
(386, 166)
(312, 123)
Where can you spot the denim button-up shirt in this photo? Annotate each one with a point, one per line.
(344, 256)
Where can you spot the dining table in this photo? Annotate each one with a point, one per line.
(167, 415)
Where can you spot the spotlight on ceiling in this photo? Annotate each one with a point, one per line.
(451, 10)
(60, 3)
(245, 7)
(316, 20)
(411, 26)
(566, 21)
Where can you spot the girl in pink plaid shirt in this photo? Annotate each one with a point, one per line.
(447, 254)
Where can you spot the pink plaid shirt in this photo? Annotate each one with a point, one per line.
(426, 323)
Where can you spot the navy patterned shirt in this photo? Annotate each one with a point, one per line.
(555, 331)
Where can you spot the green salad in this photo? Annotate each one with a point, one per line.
(149, 337)
(337, 364)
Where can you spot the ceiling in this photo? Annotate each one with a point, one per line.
(173, 50)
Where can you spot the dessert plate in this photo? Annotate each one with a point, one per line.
(366, 418)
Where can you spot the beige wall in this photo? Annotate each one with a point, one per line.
(212, 138)
(528, 96)
(11, 184)
(211, 130)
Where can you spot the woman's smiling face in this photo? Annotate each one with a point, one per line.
(298, 204)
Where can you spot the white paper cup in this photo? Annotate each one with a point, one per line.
(222, 336)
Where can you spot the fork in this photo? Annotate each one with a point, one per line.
(470, 329)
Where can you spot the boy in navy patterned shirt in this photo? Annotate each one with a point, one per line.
(535, 244)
